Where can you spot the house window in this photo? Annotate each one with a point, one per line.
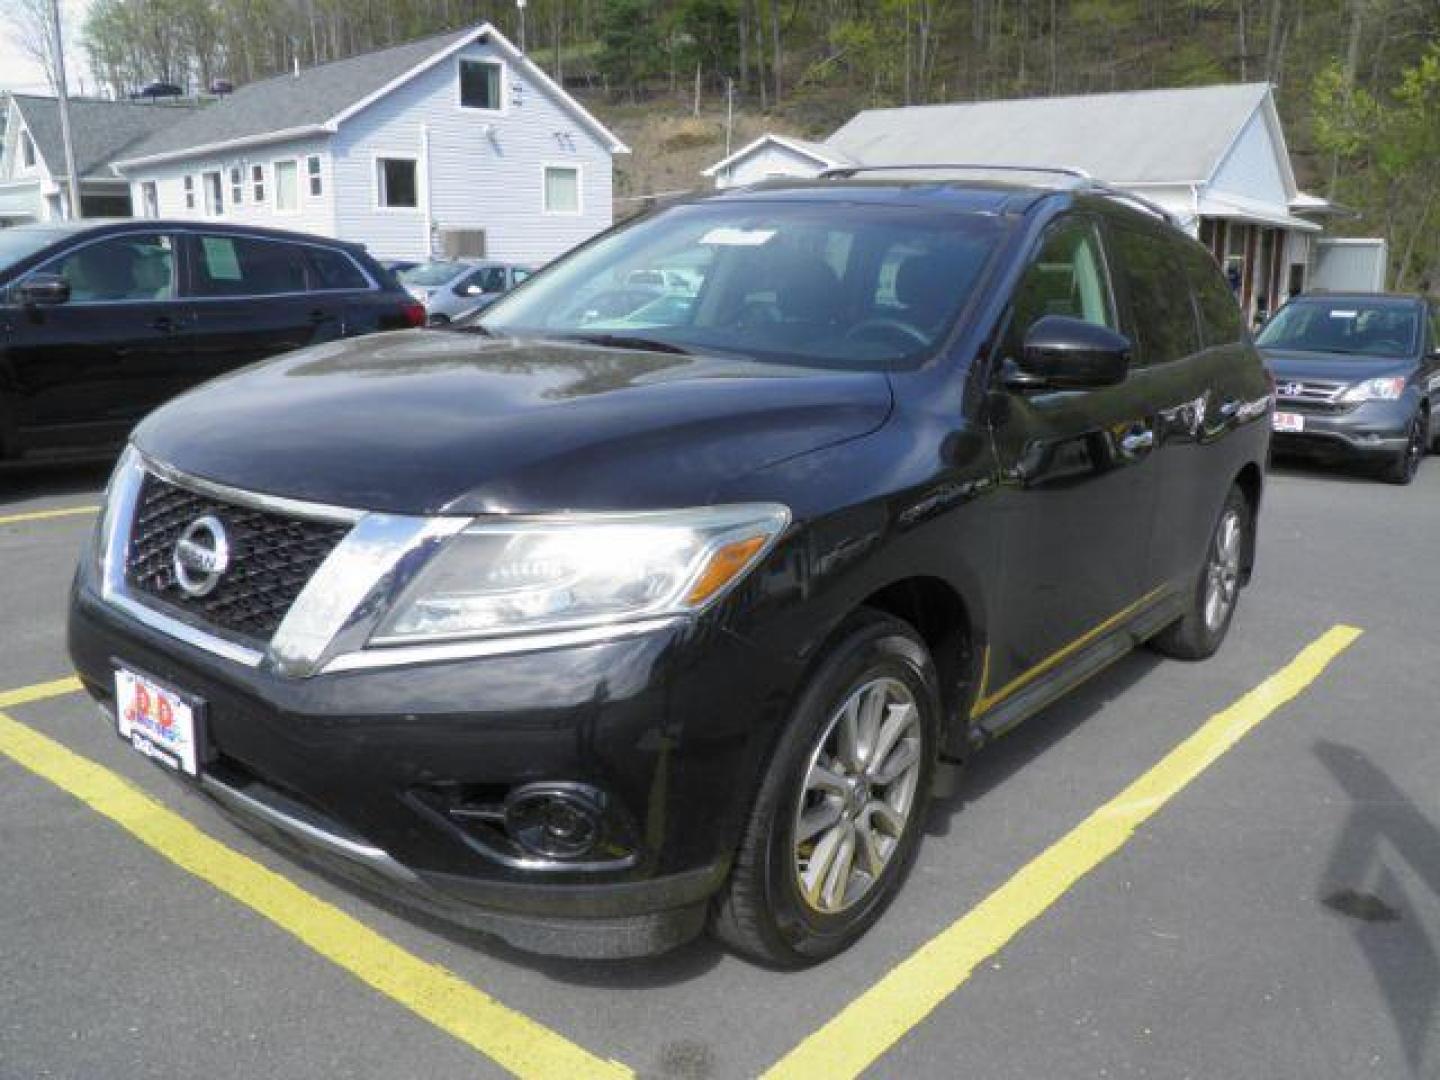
(480, 84)
(562, 189)
(237, 186)
(214, 194)
(257, 184)
(396, 183)
(287, 187)
(189, 193)
(27, 150)
(149, 199)
(312, 173)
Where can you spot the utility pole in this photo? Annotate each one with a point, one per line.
(62, 90)
(729, 112)
(521, 5)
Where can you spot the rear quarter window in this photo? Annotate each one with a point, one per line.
(1153, 269)
(330, 269)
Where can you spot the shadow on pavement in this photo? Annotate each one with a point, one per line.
(1385, 830)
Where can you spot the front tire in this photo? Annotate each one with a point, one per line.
(1402, 469)
(841, 807)
(1199, 632)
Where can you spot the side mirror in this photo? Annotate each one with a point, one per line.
(1061, 353)
(42, 290)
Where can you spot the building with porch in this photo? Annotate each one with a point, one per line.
(1215, 156)
(32, 155)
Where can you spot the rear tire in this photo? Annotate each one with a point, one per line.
(1200, 631)
(840, 809)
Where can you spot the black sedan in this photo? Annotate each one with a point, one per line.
(1357, 377)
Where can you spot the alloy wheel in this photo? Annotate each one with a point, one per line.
(858, 796)
(1222, 571)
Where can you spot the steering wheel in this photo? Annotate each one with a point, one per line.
(868, 327)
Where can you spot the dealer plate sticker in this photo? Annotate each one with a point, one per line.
(156, 722)
(1288, 421)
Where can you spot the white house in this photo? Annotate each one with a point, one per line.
(454, 144)
(772, 157)
(32, 156)
(1215, 156)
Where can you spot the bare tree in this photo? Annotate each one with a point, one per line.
(30, 28)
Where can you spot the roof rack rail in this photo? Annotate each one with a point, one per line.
(841, 172)
(1082, 180)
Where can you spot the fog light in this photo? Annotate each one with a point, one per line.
(556, 820)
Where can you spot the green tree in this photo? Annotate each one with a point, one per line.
(631, 47)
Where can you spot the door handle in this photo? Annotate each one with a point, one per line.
(319, 316)
(165, 324)
(1136, 441)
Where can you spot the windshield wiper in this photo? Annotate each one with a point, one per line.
(626, 341)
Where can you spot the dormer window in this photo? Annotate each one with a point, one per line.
(27, 150)
(480, 82)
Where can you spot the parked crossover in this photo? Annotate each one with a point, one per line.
(590, 630)
(100, 323)
(1357, 377)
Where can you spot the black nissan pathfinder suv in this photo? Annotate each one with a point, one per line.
(587, 626)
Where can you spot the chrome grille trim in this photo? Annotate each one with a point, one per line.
(1310, 392)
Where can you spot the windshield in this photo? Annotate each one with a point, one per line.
(1348, 327)
(17, 244)
(432, 273)
(842, 285)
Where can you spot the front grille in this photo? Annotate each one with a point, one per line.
(272, 556)
(1310, 396)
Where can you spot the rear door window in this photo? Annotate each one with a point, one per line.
(134, 267)
(1159, 293)
(1220, 320)
(244, 266)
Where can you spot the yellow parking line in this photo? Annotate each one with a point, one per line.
(866, 1028)
(39, 692)
(511, 1039)
(47, 515)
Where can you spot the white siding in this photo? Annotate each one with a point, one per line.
(1251, 169)
(26, 198)
(1350, 265)
(770, 160)
(315, 215)
(485, 169)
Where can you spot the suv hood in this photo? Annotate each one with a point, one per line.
(423, 422)
(1332, 367)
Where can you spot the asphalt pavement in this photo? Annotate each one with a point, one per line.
(1276, 915)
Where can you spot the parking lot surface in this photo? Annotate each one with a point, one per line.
(1170, 874)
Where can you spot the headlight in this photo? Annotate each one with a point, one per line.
(1387, 389)
(548, 574)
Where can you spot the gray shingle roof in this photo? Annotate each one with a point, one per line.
(1177, 135)
(101, 130)
(283, 102)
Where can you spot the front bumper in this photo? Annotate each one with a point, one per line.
(1372, 430)
(339, 767)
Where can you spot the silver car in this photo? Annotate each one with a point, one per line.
(450, 288)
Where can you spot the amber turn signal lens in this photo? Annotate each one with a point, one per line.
(727, 562)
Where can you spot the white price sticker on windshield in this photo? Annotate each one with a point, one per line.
(1338, 313)
(729, 236)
